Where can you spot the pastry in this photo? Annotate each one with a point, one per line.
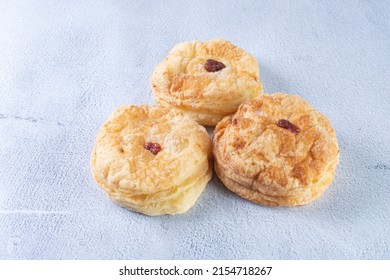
(152, 160)
(276, 150)
(206, 80)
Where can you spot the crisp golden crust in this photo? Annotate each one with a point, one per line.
(272, 165)
(181, 80)
(167, 182)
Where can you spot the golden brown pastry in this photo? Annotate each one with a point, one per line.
(276, 150)
(206, 80)
(152, 160)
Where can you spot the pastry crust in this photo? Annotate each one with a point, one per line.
(182, 81)
(152, 181)
(270, 164)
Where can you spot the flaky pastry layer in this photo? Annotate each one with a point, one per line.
(135, 177)
(181, 80)
(270, 164)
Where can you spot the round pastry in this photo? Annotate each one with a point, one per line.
(152, 160)
(276, 150)
(206, 80)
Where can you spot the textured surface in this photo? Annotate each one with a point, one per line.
(64, 67)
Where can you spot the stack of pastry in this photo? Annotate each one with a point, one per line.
(152, 160)
(270, 149)
(206, 80)
(276, 150)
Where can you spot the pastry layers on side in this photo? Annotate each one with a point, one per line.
(276, 150)
(152, 160)
(206, 80)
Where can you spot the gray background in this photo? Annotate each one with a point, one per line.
(66, 65)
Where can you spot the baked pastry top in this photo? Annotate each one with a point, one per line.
(152, 160)
(206, 80)
(276, 150)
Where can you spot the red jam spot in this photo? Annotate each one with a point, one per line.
(234, 121)
(154, 148)
(287, 125)
(213, 65)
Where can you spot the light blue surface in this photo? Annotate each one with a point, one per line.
(64, 67)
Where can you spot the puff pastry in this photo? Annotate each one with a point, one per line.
(206, 80)
(152, 160)
(276, 150)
